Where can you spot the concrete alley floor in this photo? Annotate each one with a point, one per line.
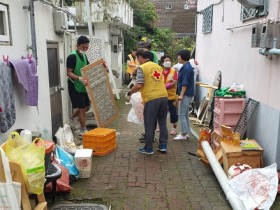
(126, 179)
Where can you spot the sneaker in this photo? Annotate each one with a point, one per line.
(162, 148)
(82, 131)
(181, 137)
(146, 151)
(173, 131)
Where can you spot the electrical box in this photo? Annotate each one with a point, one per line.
(256, 35)
(276, 34)
(267, 35)
(60, 22)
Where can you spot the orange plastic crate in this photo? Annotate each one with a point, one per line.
(101, 140)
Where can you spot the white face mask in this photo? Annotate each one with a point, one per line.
(167, 64)
(82, 52)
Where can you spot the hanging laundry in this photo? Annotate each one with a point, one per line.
(26, 71)
(8, 113)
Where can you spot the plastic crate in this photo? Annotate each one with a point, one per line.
(230, 105)
(230, 119)
(101, 140)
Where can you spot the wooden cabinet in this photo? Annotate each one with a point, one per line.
(233, 154)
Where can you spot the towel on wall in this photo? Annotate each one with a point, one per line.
(8, 113)
(26, 71)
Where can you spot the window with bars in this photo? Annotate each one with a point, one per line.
(168, 6)
(207, 20)
(248, 13)
(251, 13)
(4, 24)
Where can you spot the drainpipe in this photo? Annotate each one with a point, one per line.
(273, 51)
(88, 17)
(33, 31)
(231, 196)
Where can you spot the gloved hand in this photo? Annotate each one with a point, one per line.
(83, 80)
(127, 96)
(168, 85)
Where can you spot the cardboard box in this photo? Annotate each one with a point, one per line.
(233, 154)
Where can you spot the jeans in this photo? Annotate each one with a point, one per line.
(183, 114)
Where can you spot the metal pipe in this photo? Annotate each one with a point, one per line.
(88, 17)
(231, 196)
(278, 12)
(33, 31)
(273, 51)
(248, 24)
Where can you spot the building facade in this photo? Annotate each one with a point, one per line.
(227, 41)
(175, 15)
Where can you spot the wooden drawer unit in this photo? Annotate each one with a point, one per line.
(234, 154)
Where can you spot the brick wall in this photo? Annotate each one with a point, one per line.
(177, 18)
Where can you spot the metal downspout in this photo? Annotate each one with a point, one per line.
(231, 196)
(33, 31)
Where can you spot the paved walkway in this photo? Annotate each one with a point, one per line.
(126, 179)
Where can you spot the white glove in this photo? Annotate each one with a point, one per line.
(84, 81)
(127, 96)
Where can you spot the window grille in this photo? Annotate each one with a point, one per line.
(248, 13)
(251, 13)
(207, 19)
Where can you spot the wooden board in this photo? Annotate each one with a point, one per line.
(100, 93)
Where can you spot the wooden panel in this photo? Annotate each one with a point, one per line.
(100, 93)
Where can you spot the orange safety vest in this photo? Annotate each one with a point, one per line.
(172, 91)
(130, 70)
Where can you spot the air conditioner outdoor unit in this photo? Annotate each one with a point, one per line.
(252, 3)
(60, 22)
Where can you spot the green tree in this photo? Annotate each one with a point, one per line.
(144, 17)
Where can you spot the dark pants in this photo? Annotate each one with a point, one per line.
(173, 111)
(155, 111)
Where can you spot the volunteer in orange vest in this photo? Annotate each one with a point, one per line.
(150, 82)
(170, 80)
(132, 62)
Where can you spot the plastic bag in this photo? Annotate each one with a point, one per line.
(65, 139)
(31, 158)
(67, 160)
(257, 188)
(10, 191)
(135, 114)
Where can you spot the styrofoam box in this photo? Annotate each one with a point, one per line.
(83, 162)
(232, 105)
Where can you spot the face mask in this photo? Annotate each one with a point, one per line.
(167, 64)
(82, 52)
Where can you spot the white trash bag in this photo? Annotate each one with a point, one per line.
(135, 114)
(65, 139)
(257, 188)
